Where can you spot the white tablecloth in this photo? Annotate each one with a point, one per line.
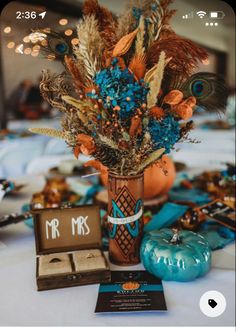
(21, 304)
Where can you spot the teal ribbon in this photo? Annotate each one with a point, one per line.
(189, 195)
(168, 214)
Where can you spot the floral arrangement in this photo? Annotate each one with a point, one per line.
(125, 94)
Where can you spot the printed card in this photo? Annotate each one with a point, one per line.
(131, 291)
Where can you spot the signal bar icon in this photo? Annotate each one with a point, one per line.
(186, 16)
(201, 13)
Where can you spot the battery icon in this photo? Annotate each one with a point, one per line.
(217, 14)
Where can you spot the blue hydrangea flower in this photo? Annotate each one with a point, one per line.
(118, 87)
(164, 133)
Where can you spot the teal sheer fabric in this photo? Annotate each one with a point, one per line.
(169, 213)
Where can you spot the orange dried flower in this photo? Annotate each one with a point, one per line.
(135, 127)
(76, 151)
(191, 101)
(85, 150)
(138, 66)
(85, 139)
(183, 111)
(97, 165)
(87, 144)
(174, 97)
(157, 112)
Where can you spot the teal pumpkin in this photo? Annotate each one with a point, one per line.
(187, 257)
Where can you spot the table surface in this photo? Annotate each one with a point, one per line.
(21, 304)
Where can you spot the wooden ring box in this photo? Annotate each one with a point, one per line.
(69, 247)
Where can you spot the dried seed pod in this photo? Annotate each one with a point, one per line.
(87, 145)
(191, 101)
(124, 44)
(183, 111)
(135, 126)
(174, 97)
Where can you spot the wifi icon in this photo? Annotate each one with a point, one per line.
(201, 13)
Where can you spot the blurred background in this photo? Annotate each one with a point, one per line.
(21, 105)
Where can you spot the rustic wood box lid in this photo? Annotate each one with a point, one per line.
(67, 229)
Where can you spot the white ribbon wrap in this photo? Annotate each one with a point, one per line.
(126, 220)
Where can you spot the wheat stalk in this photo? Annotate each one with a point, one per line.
(156, 80)
(90, 62)
(90, 48)
(49, 132)
(139, 47)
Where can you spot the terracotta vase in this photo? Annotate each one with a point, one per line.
(125, 218)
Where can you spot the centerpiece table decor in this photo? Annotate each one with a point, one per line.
(126, 97)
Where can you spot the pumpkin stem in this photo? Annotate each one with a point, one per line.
(175, 238)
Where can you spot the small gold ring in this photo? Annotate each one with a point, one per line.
(90, 255)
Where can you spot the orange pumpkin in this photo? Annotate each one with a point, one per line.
(155, 181)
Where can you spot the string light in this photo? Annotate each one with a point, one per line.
(10, 44)
(44, 42)
(26, 39)
(7, 29)
(63, 21)
(51, 57)
(68, 32)
(37, 36)
(36, 48)
(27, 51)
(75, 41)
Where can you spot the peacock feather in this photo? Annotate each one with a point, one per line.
(209, 89)
(53, 44)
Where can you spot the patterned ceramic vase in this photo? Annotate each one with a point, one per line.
(125, 218)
